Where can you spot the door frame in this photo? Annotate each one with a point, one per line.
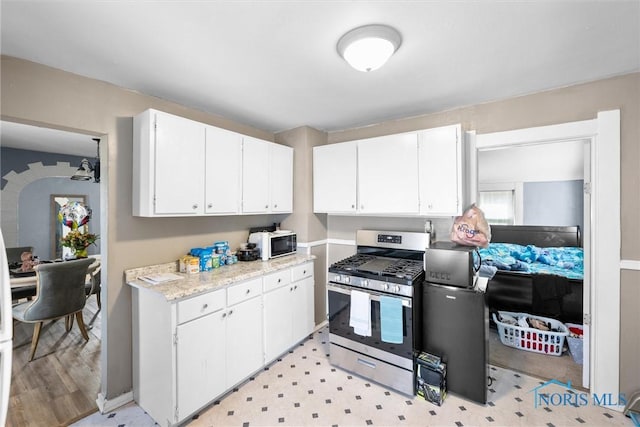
(602, 313)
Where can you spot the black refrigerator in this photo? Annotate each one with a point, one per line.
(455, 326)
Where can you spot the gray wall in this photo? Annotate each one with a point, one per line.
(553, 203)
(35, 212)
(14, 159)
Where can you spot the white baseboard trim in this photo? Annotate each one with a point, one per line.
(629, 264)
(312, 244)
(341, 242)
(105, 405)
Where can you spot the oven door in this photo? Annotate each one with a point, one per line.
(342, 334)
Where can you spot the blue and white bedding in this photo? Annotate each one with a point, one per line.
(561, 261)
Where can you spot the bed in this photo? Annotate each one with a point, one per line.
(528, 285)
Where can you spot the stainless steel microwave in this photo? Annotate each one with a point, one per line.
(274, 244)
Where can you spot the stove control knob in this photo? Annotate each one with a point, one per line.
(346, 279)
(386, 286)
(398, 288)
(365, 283)
(337, 278)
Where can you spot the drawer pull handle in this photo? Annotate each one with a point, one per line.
(204, 307)
(295, 287)
(230, 312)
(304, 271)
(224, 315)
(248, 291)
(367, 363)
(279, 280)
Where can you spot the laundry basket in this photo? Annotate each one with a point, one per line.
(531, 339)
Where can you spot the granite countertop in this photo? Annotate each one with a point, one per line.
(219, 278)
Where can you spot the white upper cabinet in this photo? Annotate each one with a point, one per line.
(388, 175)
(255, 175)
(267, 177)
(167, 155)
(185, 168)
(281, 178)
(415, 174)
(440, 157)
(335, 178)
(223, 159)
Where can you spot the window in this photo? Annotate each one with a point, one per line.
(498, 206)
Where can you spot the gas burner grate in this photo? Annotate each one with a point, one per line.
(406, 269)
(353, 262)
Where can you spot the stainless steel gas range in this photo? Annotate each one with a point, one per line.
(380, 286)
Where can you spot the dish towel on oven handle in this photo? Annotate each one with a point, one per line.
(360, 313)
(391, 319)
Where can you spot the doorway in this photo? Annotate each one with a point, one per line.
(36, 162)
(537, 185)
(602, 301)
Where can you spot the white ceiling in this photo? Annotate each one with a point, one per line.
(274, 65)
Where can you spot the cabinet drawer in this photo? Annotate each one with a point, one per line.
(244, 291)
(299, 272)
(199, 306)
(275, 280)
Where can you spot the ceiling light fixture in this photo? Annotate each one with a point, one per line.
(367, 48)
(86, 169)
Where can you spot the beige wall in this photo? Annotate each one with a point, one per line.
(33, 93)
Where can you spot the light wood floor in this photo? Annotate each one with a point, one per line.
(62, 382)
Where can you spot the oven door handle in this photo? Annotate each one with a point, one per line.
(375, 296)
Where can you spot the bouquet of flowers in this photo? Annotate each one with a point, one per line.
(79, 241)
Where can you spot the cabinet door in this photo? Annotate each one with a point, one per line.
(388, 174)
(281, 177)
(302, 309)
(255, 175)
(179, 165)
(277, 322)
(244, 340)
(200, 362)
(334, 178)
(440, 157)
(223, 154)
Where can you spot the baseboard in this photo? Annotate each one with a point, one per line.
(109, 405)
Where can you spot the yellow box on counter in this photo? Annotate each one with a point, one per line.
(189, 264)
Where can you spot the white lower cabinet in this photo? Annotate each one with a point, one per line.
(187, 353)
(201, 366)
(288, 309)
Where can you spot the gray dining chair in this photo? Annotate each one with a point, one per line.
(60, 292)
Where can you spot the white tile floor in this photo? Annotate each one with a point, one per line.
(303, 389)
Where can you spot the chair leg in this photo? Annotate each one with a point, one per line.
(83, 329)
(68, 322)
(99, 300)
(35, 339)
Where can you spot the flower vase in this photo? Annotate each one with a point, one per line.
(80, 253)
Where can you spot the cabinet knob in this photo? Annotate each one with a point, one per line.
(266, 206)
(204, 307)
(304, 271)
(230, 312)
(195, 206)
(279, 280)
(224, 314)
(353, 206)
(248, 291)
(210, 205)
(295, 287)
